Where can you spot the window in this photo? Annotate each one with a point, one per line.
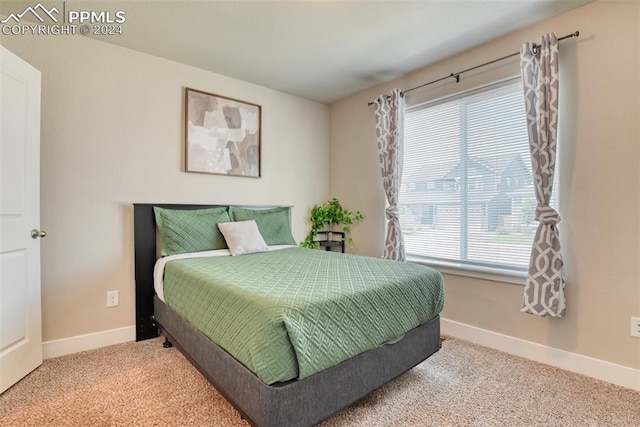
(467, 194)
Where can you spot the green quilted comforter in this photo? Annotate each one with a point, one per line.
(293, 312)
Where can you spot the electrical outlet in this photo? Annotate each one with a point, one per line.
(635, 327)
(112, 298)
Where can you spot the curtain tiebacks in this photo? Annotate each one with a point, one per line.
(547, 215)
(392, 212)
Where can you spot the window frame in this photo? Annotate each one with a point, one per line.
(485, 271)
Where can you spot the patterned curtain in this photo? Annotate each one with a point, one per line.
(389, 116)
(544, 291)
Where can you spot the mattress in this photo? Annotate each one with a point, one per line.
(291, 313)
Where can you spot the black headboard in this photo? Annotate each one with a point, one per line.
(144, 226)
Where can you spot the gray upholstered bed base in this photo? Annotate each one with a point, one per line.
(297, 403)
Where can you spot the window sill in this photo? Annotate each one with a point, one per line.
(495, 274)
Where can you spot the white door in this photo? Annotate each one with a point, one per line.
(20, 313)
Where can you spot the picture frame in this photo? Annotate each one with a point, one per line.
(222, 135)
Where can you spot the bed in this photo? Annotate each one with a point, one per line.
(318, 386)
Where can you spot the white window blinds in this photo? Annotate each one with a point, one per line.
(467, 192)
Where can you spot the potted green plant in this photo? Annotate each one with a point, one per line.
(327, 217)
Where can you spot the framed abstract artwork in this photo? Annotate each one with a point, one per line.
(222, 135)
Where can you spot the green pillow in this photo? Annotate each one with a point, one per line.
(273, 223)
(194, 230)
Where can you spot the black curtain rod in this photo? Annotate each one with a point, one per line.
(457, 75)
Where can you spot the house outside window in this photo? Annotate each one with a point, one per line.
(467, 163)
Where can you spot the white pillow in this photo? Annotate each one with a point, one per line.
(243, 237)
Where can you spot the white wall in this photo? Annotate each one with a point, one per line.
(600, 209)
(112, 135)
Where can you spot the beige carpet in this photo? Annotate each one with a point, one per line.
(143, 384)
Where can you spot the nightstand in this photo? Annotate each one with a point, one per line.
(330, 240)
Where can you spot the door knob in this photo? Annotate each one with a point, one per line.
(35, 233)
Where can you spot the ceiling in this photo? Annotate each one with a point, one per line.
(319, 49)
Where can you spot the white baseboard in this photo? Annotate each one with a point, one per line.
(79, 343)
(574, 362)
